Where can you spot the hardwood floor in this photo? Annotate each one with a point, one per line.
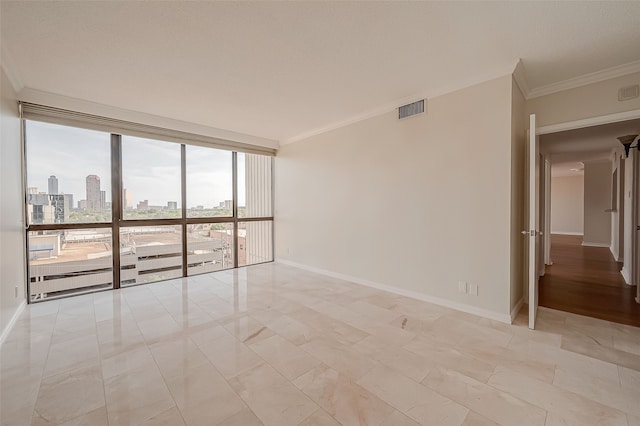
(587, 281)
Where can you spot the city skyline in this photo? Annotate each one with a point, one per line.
(92, 188)
(54, 150)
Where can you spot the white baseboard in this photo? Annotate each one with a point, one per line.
(614, 253)
(505, 318)
(588, 244)
(626, 274)
(567, 233)
(12, 322)
(516, 309)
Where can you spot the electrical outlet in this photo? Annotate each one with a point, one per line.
(462, 286)
(473, 289)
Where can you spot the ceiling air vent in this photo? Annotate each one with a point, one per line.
(411, 109)
(629, 92)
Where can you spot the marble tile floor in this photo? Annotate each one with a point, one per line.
(275, 345)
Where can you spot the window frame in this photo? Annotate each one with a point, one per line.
(117, 209)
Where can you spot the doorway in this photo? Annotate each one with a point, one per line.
(588, 230)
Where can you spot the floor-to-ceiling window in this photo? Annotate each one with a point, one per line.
(106, 210)
(68, 210)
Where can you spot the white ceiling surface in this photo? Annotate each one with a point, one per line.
(280, 70)
(571, 168)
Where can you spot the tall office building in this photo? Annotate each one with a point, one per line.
(53, 185)
(69, 201)
(94, 199)
(127, 198)
(61, 207)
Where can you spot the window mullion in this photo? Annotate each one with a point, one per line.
(183, 186)
(116, 204)
(235, 207)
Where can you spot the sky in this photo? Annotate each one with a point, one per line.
(151, 169)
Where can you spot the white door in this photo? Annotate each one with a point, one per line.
(533, 233)
(546, 228)
(635, 206)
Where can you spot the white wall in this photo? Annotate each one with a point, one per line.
(11, 241)
(519, 125)
(588, 101)
(416, 204)
(567, 205)
(597, 199)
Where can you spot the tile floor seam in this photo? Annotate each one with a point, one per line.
(44, 364)
(341, 338)
(164, 380)
(244, 371)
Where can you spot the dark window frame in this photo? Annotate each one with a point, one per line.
(117, 213)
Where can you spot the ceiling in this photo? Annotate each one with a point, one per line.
(568, 149)
(569, 168)
(281, 70)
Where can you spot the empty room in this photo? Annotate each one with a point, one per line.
(313, 213)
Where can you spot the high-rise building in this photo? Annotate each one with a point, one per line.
(53, 185)
(127, 198)
(143, 205)
(44, 208)
(69, 201)
(103, 200)
(172, 205)
(61, 207)
(38, 199)
(94, 200)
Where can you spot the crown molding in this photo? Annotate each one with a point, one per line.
(583, 80)
(380, 110)
(497, 72)
(521, 79)
(9, 69)
(81, 105)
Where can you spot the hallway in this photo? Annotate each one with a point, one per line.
(587, 281)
